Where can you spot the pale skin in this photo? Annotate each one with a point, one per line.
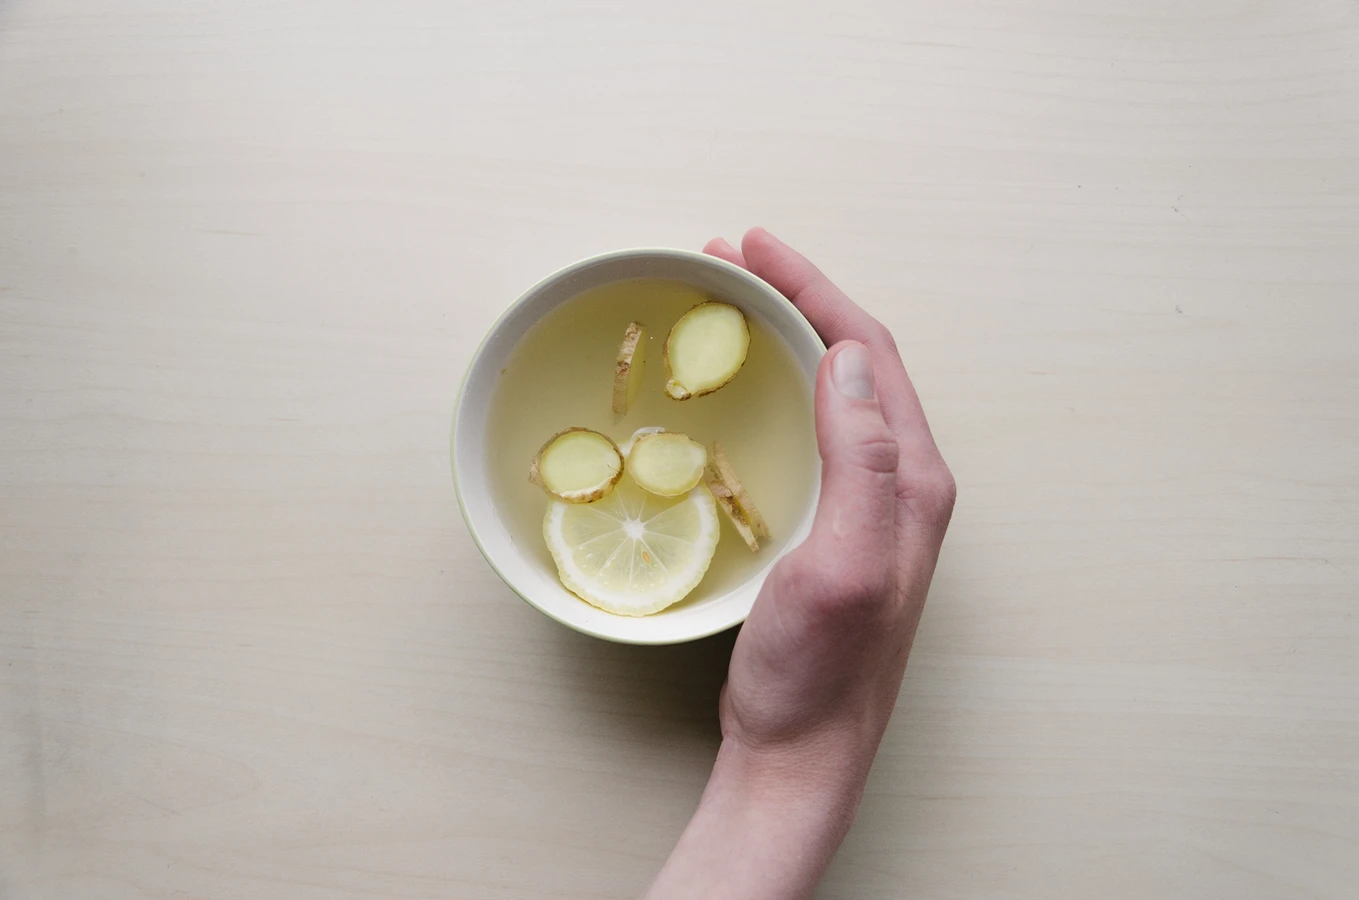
(816, 670)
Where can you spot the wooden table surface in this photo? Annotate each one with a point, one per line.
(247, 649)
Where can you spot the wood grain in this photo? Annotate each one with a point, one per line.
(246, 250)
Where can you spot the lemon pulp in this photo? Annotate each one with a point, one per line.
(633, 553)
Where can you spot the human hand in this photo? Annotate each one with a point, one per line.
(816, 669)
(818, 664)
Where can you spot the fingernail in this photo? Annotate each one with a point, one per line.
(724, 244)
(852, 372)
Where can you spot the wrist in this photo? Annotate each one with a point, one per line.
(768, 825)
(814, 782)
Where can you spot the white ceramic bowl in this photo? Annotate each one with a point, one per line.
(528, 576)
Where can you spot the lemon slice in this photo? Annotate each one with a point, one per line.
(633, 553)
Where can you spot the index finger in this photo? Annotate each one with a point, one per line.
(837, 318)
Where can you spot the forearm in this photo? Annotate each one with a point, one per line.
(765, 829)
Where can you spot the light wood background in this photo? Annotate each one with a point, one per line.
(247, 649)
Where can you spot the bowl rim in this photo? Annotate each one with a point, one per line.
(751, 278)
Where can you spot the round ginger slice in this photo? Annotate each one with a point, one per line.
(738, 491)
(667, 463)
(627, 372)
(705, 349)
(577, 466)
(625, 448)
(722, 494)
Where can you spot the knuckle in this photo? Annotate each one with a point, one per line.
(878, 452)
(930, 493)
(881, 335)
(855, 587)
(838, 587)
(941, 492)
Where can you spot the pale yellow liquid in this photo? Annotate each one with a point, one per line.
(561, 375)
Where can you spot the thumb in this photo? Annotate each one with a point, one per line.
(856, 516)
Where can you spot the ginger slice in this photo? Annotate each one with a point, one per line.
(667, 463)
(705, 349)
(577, 466)
(627, 372)
(725, 499)
(625, 448)
(738, 491)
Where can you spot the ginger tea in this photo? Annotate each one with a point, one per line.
(561, 375)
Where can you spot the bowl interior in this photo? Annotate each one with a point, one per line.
(526, 572)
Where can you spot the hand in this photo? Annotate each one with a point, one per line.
(818, 664)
